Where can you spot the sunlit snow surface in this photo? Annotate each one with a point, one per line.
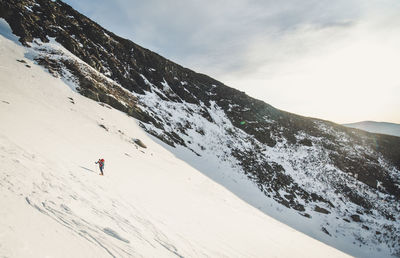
(148, 204)
(154, 202)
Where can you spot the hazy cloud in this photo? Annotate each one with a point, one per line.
(200, 33)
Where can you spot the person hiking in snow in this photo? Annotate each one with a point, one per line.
(101, 165)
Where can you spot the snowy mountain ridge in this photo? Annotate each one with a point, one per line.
(377, 127)
(336, 184)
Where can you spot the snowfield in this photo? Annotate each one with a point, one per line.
(150, 203)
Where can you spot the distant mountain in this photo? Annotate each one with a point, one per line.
(337, 184)
(377, 127)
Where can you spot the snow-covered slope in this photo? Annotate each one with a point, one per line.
(377, 127)
(150, 203)
(336, 184)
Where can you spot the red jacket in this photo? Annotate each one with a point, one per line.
(101, 162)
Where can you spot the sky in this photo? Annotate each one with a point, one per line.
(334, 60)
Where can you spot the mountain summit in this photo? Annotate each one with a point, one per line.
(337, 184)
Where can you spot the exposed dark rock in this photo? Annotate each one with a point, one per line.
(365, 227)
(104, 127)
(321, 210)
(325, 231)
(306, 142)
(140, 143)
(390, 217)
(355, 218)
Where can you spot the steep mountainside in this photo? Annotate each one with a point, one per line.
(377, 127)
(54, 203)
(344, 182)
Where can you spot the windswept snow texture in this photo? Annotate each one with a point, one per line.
(150, 203)
(377, 127)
